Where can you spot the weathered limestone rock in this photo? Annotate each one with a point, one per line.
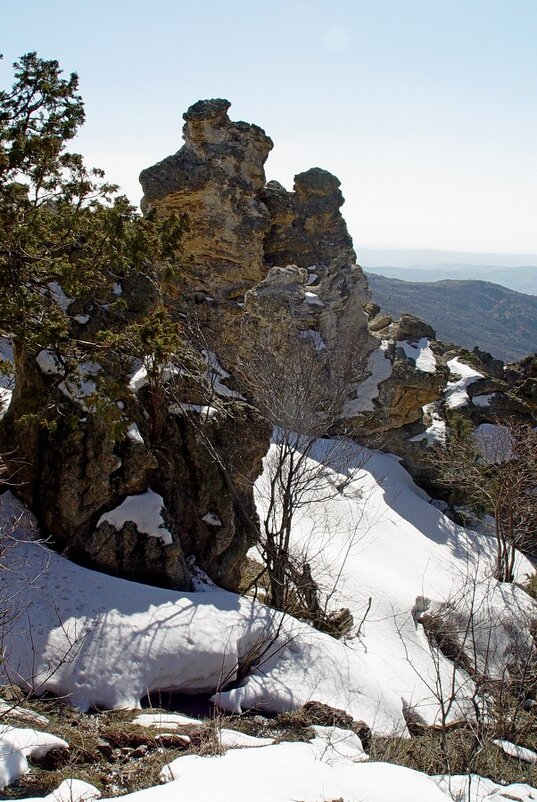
(409, 327)
(205, 474)
(85, 464)
(400, 399)
(308, 230)
(215, 179)
(239, 229)
(133, 555)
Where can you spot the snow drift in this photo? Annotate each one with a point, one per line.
(104, 641)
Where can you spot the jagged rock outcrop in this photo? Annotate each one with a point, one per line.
(80, 462)
(306, 227)
(308, 231)
(215, 179)
(263, 268)
(205, 473)
(239, 229)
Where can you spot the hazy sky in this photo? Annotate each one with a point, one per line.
(425, 109)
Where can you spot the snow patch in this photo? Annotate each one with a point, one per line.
(144, 510)
(204, 410)
(436, 432)
(420, 353)
(473, 788)
(169, 720)
(456, 394)
(59, 296)
(211, 519)
(7, 375)
(22, 713)
(518, 752)
(16, 745)
(134, 435)
(483, 400)
(315, 338)
(215, 376)
(231, 739)
(309, 772)
(139, 378)
(313, 299)
(69, 791)
(81, 386)
(5, 401)
(494, 443)
(384, 542)
(49, 363)
(380, 368)
(82, 319)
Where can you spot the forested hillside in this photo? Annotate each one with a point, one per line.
(467, 313)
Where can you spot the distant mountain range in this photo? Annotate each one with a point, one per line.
(467, 312)
(521, 279)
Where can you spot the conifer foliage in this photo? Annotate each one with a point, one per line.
(64, 231)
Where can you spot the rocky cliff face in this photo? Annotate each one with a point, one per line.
(215, 179)
(263, 268)
(259, 261)
(203, 463)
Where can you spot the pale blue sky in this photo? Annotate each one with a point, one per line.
(424, 109)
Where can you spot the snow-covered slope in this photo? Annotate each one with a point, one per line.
(106, 641)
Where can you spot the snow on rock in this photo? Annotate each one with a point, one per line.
(138, 379)
(215, 376)
(313, 299)
(76, 387)
(211, 519)
(5, 400)
(134, 434)
(58, 295)
(380, 368)
(202, 409)
(69, 791)
(340, 745)
(82, 385)
(49, 363)
(483, 400)
(82, 319)
(315, 339)
(518, 752)
(436, 431)
(16, 745)
(382, 540)
(456, 394)
(310, 772)
(166, 720)
(145, 511)
(231, 739)
(473, 788)
(420, 353)
(7, 374)
(6, 350)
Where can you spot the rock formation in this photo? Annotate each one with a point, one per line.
(262, 268)
(215, 179)
(239, 229)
